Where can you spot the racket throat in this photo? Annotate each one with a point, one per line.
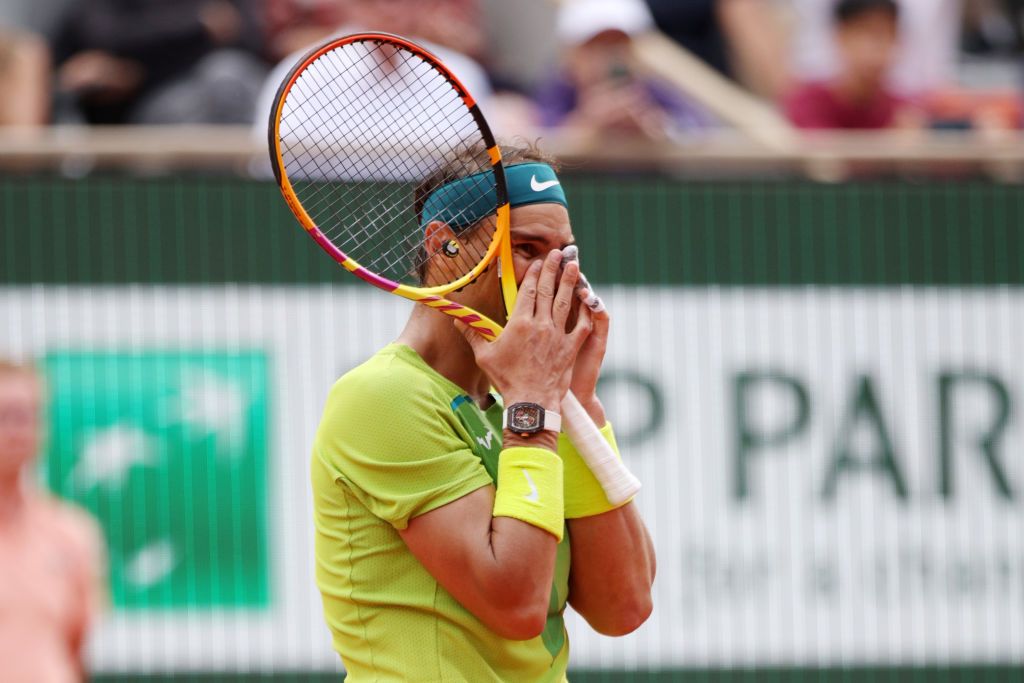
(507, 276)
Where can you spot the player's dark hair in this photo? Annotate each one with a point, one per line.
(847, 10)
(461, 165)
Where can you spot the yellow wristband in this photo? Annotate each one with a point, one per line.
(584, 496)
(530, 488)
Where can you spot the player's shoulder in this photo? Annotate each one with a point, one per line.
(392, 407)
(392, 377)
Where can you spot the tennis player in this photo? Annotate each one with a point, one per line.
(52, 556)
(454, 522)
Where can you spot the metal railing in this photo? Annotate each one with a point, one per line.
(827, 156)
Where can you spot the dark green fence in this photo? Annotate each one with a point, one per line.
(632, 230)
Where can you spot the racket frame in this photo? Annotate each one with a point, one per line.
(500, 245)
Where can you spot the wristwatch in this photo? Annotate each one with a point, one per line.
(525, 419)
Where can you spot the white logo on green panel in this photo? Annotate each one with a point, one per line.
(169, 451)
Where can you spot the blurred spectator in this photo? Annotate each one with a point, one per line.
(990, 110)
(993, 27)
(24, 79)
(402, 17)
(146, 62)
(457, 24)
(52, 560)
(294, 24)
(742, 39)
(867, 34)
(925, 59)
(38, 16)
(600, 88)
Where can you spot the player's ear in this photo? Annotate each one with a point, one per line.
(438, 237)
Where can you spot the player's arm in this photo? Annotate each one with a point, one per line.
(613, 569)
(494, 549)
(499, 568)
(613, 561)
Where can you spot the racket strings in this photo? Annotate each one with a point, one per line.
(324, 125)
(393, 123)
(399, 123)
(334, 141)
(361, 130)
(361, 127)
(373, 216)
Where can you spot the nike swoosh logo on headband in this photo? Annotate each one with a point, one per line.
(540, 187)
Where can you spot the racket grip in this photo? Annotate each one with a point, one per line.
(618, 482)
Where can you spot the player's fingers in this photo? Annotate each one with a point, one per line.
(527, 296)
(563, 298)
(600, 322)
(584, 326)
(475, 339)
(593, 302)
(587, 296)
(546, 283)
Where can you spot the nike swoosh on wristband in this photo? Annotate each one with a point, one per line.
(534, 494)
(540, 187)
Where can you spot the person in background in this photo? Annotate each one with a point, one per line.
(291, 25)
(455, 24)
(52, 556)
(741, 39)
(924, 60)
(145, 62)
(867, 37)
(401, 17)
(24, 79)
(600, 89)
(993, 27)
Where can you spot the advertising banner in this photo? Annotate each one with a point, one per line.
(832, 475)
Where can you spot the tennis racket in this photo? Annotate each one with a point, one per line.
(363, 131)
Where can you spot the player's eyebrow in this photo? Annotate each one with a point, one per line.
(520, 236)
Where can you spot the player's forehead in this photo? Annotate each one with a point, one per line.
(542, 223)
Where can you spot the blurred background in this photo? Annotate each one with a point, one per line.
(806, 217)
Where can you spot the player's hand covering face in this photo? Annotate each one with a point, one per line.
(534, 357)
(536, 230)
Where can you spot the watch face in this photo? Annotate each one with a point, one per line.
(526, 417)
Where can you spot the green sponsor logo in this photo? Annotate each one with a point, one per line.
(169, 451)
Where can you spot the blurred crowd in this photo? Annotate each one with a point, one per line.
(579, 66)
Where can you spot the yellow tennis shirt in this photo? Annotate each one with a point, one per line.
(398, 440)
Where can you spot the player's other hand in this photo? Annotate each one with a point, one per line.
(533, 359)
(588, 361)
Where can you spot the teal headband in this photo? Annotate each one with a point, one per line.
(465, 201)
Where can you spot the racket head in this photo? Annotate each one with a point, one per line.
(364, 131)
